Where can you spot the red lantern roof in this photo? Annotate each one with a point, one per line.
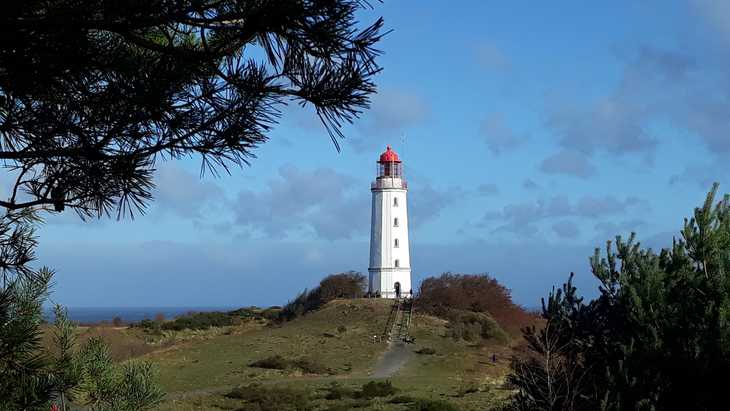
(389, 156)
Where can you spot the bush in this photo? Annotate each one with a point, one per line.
(275, 362)
(402, 399)
(337, 392)
(426, 351)
(255, 313)
(341, 329)
(349, 405)
(432, 405)
(305, 302)
(262, 398)
(278, 362)
(375, 389)
(199, 321)
(344, 285)
(310, 367)
(470, 326)
(145, 324)
(117, 321)
(472, 292)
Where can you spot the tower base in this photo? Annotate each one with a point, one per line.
(390, 282)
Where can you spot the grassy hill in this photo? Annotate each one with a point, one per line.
(332, 345)
(320, 360)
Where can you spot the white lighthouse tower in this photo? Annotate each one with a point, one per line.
(390, 262)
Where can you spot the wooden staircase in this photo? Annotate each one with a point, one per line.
(399, 320)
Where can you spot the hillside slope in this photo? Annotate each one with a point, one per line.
(335, 343)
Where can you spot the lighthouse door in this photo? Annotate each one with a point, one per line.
(397, 289)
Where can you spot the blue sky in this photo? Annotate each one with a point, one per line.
(530, 132)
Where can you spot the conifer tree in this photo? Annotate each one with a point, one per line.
(656, 338)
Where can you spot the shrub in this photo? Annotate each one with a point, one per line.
(350, 284)
(432, 405)
(471, 326)
(263, 398)
(337, 392)
(341, 329)
(305, 302)
(375, 389)
(271, 313)
(146, 324)
(402, 399)
(472, 292)
(275, 362)
(344, 285)
(199, 321)
(349, 405)
(117, 321)
(310, 367)
(426, 351)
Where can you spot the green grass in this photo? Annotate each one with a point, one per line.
(225, 360)
(197, 374)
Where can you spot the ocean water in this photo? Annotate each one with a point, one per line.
(86, 315)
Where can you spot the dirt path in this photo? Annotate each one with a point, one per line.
(393, 360)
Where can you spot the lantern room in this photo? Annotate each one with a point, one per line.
(390, 165)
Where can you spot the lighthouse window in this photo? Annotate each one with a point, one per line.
(395, 222)
(396, 243)
(397, 263)
(395, 201)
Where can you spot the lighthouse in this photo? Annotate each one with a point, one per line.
(390, 262)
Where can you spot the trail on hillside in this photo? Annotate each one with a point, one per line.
(393, 360)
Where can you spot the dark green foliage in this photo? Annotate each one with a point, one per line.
(310, 366)
(336, 391)
(105, 385)
(344, 285)
(374, 389)
(67, 368)
(277, 362)
(432, 405)
(256, 313)
(92, 94)
(26, 377)
(146, 324)
(199, 321)
(368, 391)
(30, 377)
(208, 319)
(402, 399)
(657, 337)
(265, 398)
(305, 302)
(350, 405)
